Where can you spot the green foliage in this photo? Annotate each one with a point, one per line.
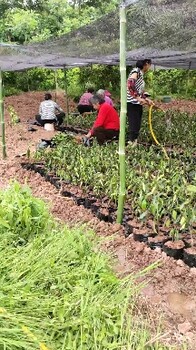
(62, 288)
(21, 215)
(77, 80)
(82, 122)
(156, 187)
(34, 79)
(166, 125)
(9, 91)
(102, 77)
(174, 82)
(20, 25)
(27, 21)
(171, 128)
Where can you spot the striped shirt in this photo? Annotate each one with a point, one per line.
(139, 86)
(47, 109)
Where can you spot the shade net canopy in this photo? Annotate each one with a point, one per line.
(163, 30)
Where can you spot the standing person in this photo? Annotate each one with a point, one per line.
(84, 104)
(107, 124)
(136, 98)
(47, 112)
(105, 96)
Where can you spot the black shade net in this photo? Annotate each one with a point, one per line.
(163, 30)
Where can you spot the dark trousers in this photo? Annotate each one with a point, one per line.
(85, 108)
(102, 135)
(134, 113)
(59, 121)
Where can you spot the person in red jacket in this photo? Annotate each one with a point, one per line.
(107, 124)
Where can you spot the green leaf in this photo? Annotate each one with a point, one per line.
(191, 188)
(4, 223)
(183, 222)
(174, 214)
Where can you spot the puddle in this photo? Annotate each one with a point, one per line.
(182, 304)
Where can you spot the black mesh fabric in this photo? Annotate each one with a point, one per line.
(164, 30)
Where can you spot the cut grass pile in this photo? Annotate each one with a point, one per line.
(57, 283)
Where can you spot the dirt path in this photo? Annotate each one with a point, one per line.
(170, 291)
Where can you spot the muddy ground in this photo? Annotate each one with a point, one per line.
(169, 293)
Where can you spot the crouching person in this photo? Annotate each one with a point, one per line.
(107, 124)
(49, 112)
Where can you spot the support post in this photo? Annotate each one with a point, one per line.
(123, 113)
(2, 120)
(56, 84)
(188, 78)
(66, 94)
(28, 87)
(153, 85)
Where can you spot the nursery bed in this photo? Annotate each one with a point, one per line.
(169, 290)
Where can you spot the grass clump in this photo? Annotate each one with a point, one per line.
(62, 288)
(21, 215)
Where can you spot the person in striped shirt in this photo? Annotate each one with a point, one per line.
(49, 112)
(136, 98)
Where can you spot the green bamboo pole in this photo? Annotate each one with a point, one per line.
(2, 120)
(123, 112)
(56, 84)
(66, 93)
(188, 78)
(153, 84)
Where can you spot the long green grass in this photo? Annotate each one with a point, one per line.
(61, 286)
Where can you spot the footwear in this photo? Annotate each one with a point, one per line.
(86, 141)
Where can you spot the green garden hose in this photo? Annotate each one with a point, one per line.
(152, 131)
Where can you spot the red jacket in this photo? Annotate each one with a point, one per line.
(107, 117)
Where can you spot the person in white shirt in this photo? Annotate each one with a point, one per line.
(49, 112)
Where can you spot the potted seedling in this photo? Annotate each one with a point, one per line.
(174, 247)
(189, 254)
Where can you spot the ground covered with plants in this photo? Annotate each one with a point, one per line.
(169, 290)
(57, 289)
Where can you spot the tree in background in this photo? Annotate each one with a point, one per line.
(34, 20)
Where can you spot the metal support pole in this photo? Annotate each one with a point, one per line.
(66, 93)
(2, 120)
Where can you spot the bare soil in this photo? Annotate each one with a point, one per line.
(169, 291)
(187, 106)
